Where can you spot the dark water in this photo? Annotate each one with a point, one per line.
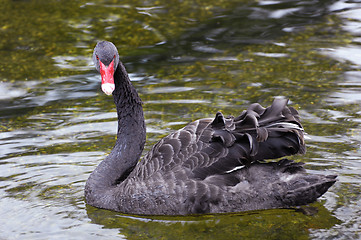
(188, 59)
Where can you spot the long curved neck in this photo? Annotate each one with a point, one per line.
(128, 147)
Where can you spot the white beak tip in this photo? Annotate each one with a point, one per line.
(108, 88)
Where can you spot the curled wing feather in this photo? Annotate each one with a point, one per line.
(215, 146)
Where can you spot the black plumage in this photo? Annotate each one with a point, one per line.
(209, 166)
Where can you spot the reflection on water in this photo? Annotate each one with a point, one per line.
(187, 61)
(267, 224)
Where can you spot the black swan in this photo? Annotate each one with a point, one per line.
(209, 166)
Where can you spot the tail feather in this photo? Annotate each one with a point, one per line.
(309, 193)
(300, 187)
(279, 184)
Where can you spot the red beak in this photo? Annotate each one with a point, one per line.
(107, 74)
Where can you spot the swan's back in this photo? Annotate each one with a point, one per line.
(215, 146)
(194, 170)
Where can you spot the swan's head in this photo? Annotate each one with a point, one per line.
(106, 59)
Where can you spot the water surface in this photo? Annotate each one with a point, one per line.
(188, 60)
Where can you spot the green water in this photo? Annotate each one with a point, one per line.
(188, 60)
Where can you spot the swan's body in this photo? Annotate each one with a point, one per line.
(194, 170)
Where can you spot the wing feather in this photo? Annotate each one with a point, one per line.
(209, 147)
